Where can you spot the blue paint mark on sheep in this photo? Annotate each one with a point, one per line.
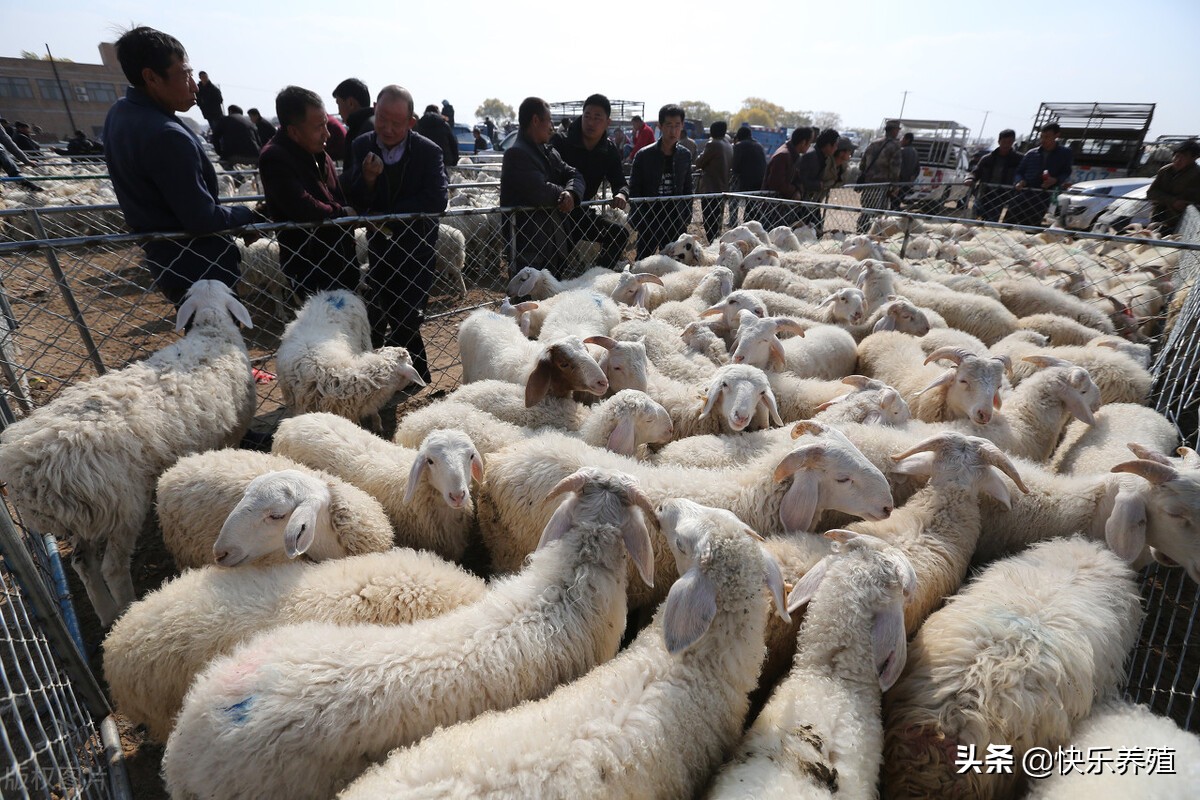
(239, 712)
(337, 301)
(598, 300)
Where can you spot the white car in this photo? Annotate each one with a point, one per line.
(1082, 203)
(1125, 211)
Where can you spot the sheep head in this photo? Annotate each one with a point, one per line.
(744, 395)
(901, 315)
(633, 288)
(1159, 519)
(972, 386)
(210, 302)
(625, 364)
(563, 367)
(283, 510)
(847, 306)
(449, 460)
(758, 343)
(953, 459)
(639, 420)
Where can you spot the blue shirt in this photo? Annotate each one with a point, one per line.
(165, 183)
(1057, 162)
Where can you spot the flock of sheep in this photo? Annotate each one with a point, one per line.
(900, 500)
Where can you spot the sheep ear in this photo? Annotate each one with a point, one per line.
(943, 379)
(992, 484)
(768, 400)
(537, 385)
(798, 509)
(690, 608)
(622, 440)
(187, 309)
(919, 464)
(777, 359)
(301, 530)
(1125, 528)
(806, 587)
(873, 417)
(476, 466)
(889, 644)
(885, 323)
(559, 523)
(774, 580)
(528, 285)
(711, 401)
(414, 476)
(238, 312)
(636, 537)
(640, 295)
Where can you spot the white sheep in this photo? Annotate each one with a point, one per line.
(580, 312)
(1102, 445)
(541, 283)
(1017, 658)
(163, 640)
(1058, 330)
(715, 285)
(1121, 378)
(198, 495)
(83, 466)
(741, 394)
(493, 347)
(821, 734)
(505, 401)
(426, 492)
(303, 709)
(826, 472)
(968, 390)
(655, 721)
(1028, 297)
(668, 351)
(1136, 743)
(325, 361)
(825, 352)
(977, 315)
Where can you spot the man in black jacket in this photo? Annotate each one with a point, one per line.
(433, 126)
(236, 140)
(663, 169)
(587, 148)
(994, 176)
(265, 129)
(354, 107)
(395, 170)
(533, 174)
(209, 99)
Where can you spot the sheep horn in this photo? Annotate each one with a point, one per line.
(1150, 470)
(996, 457)
(1107, 343)
(639, 498)
(788, 325)
(1191, 459)
(607, 342)
(1146, 454)
(859, 382)
(1007, 362)
(933, 444)
(572, 483)
(807, 426)
(648, 277)
(955, 354)
(1044, 361)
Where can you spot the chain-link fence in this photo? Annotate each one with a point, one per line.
(77, 300)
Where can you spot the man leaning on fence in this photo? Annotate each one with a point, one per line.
(994, 176)
(1043, 170)
(880, 164)
(662, 170)
(160, 172)
(1175, 187)
(395, 170)
(781, 178)
(714, 165)
(534, 174)
(301, 185)
(586, 147)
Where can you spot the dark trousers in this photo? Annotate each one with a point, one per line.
(990, 202)
(176, 265)
(660, 223)
(8, 164)
(1028, 207)
(585, 225)
(399, 277)
(713, 211)
(318, 259)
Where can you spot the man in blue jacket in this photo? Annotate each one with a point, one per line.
(1044, 169)
(162, 177)
(663, 169)
(395, 170)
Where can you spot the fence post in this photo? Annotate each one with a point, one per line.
(68, 296)
(907, 234)
(18, 386)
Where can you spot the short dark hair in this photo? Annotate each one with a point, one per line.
(891, 125)
(353, 89)
(908, 137)
(801, 134)
(532, 107)
(1052, 126)
(1189, 148)
(671, 110)
(253, 112)
(292, 104)
(202, 74)
(434, 107)
(635, 118)
(828, 136)
(144, 47)
(235, 109)
(743, 133)
(599, 101)
(1007, 133)
(718, 129)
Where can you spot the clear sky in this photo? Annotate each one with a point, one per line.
(957, 60)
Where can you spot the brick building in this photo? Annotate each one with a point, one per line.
(29, 92)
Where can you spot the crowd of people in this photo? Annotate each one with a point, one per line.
(394, 162)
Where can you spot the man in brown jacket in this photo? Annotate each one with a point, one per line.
(780, 178)
(714, 165)
(1176, 186)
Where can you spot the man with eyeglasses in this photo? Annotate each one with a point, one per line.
(661, 170)
(586, 147)
(162, 177)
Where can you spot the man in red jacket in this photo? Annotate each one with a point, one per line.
(643, 135)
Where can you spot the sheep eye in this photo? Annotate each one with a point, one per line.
(843, 480)
(963, 382)
(276, 517)
(724, 384)
(429, 461)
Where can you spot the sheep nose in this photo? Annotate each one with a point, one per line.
(220, 555)
(887, 511)
(457, 498)
(739, 358)
(983, 417)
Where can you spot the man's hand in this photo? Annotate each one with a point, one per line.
(372, 168)
(1048, 181)
(1021, 184)
(566, 202)
(620, 202)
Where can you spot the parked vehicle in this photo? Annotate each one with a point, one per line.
(1082, 203)
(944, 155)
(466, 139)
(1125, 211)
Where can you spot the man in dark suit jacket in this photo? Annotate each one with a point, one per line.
(433, 126)
(396, 170)
(534, 174)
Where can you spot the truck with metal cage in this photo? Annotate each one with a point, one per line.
(1105, 139)
(943, 150)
